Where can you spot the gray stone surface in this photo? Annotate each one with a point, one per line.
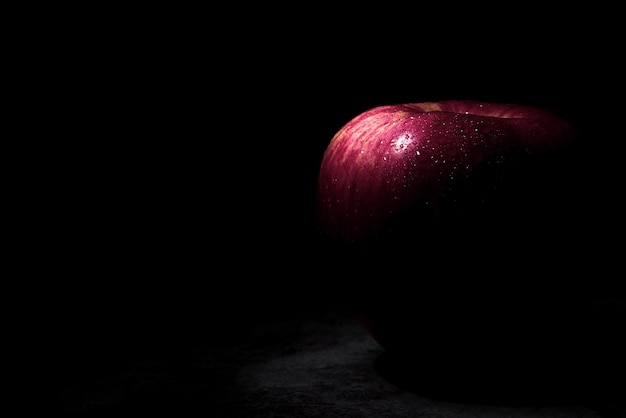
(317, 365)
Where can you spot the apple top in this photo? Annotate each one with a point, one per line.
(394, 157)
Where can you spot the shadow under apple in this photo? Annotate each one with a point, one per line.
(516, 361)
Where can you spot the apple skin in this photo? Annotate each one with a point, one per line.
(452, 227)
(395, 157)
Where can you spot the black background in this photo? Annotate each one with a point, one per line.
(175, 186)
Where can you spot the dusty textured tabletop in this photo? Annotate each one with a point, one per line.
(320, 364)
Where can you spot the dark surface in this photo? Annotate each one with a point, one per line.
(169, 250)
(322, 364)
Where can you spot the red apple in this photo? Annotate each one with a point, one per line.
(454, 218)
(393, 158)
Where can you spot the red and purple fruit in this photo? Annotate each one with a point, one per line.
(454, 225)
(397, 158)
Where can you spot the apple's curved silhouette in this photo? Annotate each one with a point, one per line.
(455, 230)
